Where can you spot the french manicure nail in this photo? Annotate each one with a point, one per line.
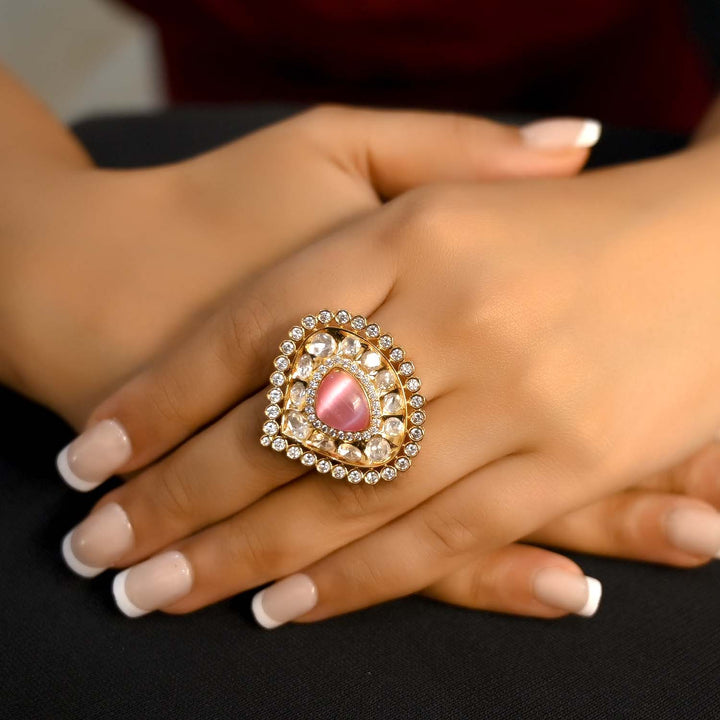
(569, 591)
(561, 133)
(284, 600)
(93, 456)
(153, 584)
(103, 537)
(694, 531)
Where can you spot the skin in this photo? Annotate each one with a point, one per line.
(74, 342)
(586, 371)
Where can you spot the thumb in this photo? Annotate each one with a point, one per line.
(398, 150)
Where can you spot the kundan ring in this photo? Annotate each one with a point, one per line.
(344, 399)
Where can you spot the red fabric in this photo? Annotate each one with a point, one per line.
(629, 62)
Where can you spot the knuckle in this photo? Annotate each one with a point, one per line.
(447, 534)
(466, 133)
(422, 217)
(173, 492)
(247, 325)
(166, 399)
(248, 549)
(477, 583)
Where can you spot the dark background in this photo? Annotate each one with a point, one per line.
(651, 653)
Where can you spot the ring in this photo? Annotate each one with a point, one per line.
(344, 400)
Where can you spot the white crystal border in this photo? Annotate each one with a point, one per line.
(394, 356)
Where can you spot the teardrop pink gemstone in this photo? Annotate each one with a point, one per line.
(341, 403)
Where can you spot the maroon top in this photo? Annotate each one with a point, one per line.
(629, 62)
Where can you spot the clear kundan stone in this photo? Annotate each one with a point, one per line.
(413, 384)
(385, 342)
(396, 354)
(389, 473)
(324, 316)
(321, 344)
(275, 395)
(272, 411)
(265, 440)
(377, 449)
(385, 380)
(417, 401)
(323, 465)
(339, 472)
(392, 404)
(277, 378)
(355, 476)
(416, 433)
(349, 452)
(371, 360)
(321, 441)
(411, 449)
(402, 463)
(271, 428)
(279, 444)
(287, 347)
(349, 346)
(296, 425)
(309, 322)
(358, 322)
(308, 459)
(372, 330)
(304, 367)
(296, 333)
(298, 392)
(281, 362)
(393, 427)
(417, 418)
(294, 452)
(342, 316)
(372, 477)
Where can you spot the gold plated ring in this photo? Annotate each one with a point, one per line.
(344, 399)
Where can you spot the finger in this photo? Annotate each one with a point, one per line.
(639, 525)
(211, 476)
(698, 476)
(319, 514)
(433, 540)
(228, 358)
(398, 150)
(222, 470)
(517, 579)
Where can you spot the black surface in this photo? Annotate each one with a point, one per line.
(651, 653)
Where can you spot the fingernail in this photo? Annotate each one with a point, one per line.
(103, 537)
(153, 584)
(560, 133)
(694, 531)
(284, 600)
(93, 456)
(569, 591)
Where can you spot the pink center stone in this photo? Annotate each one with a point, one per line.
(341, 403)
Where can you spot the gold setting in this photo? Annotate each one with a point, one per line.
(318, 345)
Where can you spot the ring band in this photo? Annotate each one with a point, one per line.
(344, 400)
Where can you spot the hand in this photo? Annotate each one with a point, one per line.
(113, 266)
(557, 371)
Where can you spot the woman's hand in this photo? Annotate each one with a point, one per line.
(100, 270)
(568, 352)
